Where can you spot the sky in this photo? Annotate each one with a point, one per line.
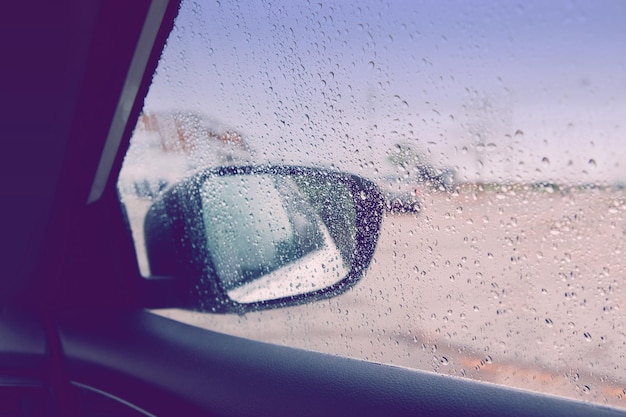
(499, 91)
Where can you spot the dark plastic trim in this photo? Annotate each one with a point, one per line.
(169, 368)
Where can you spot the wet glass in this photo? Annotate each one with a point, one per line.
(496, 132)
(265, 239)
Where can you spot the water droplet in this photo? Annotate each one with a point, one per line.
(587, 336)
(549, 322)
(444, 361)
(545, 160)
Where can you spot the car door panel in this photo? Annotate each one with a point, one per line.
(169, 368)
(78, 331)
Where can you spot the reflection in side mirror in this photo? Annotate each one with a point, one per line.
(240, 239)
(265, 239)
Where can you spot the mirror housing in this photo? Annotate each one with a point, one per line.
(239, 239)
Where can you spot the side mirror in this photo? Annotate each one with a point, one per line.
(240, 239)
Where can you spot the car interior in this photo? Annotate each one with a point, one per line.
(76, 334)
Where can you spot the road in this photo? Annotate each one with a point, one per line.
(509, 284)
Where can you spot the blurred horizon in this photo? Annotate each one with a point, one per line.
(518, 93)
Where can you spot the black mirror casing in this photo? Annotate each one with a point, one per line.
(177, 251)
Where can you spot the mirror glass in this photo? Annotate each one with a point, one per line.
(273, 236)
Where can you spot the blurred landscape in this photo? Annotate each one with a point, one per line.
(506, 284)
(496, 133)
(514, 283)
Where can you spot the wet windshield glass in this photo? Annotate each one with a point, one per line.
(496, 132)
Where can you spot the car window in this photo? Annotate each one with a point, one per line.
(495, 131)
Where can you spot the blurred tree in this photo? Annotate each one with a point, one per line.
(405, 156)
